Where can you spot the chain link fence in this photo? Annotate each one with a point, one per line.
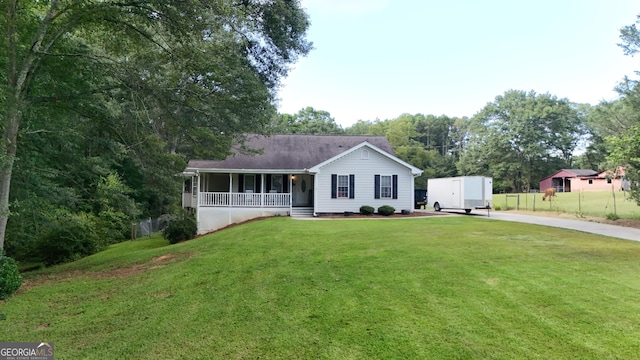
(599, 204)
(148, 227)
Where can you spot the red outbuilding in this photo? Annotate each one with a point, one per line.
(568, 180)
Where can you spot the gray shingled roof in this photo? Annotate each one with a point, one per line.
(581, 172)
(290, 151)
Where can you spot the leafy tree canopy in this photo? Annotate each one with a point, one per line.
(522, 137)
(620, 121)
(306, 121)
(122, 92)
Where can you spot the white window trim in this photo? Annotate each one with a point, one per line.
(338, 186)
(390, 187)
(364, 154)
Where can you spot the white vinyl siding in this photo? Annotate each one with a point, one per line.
(364, 171)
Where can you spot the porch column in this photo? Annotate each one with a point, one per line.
(263, 197)
(198, 175)
(230, 189)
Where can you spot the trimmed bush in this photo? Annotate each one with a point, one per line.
(180, 228)
(367, 210)
(386, 210)
(10, 279)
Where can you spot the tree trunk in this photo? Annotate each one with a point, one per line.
(8, 155)
(18, 77)
(10, 123)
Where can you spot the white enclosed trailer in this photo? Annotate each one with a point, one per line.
(460, 193)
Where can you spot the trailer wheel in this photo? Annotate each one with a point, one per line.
(437, 207)
(468, 211)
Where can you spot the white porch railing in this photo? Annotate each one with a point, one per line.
(245, 199)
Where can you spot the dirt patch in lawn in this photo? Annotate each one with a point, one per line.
(163, 257)
(634, 223)
(32, 281)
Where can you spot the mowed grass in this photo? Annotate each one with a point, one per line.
(597, 204)
(440, 287)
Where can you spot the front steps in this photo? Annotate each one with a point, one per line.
(301, 212)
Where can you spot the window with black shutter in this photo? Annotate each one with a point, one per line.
(385, 186)
(343, 186)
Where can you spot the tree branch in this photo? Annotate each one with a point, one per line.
(37, 132)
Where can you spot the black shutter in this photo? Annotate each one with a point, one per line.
(352, 186)
(285, 183)
(376, 186)
(241, 183)
(395, 186)
(334, 186)
(258, 183)
(267, 185)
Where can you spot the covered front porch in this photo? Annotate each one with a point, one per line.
(248, 190)
(236, 199)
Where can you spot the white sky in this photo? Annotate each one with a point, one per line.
(381, 58)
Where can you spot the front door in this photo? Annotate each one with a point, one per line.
(302, 190)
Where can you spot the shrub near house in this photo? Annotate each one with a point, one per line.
(181, 227)
(386, 210)
(367, 210)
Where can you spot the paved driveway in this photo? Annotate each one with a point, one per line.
(621, 232)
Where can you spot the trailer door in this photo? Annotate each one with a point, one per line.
(455, 193)
(488, 191)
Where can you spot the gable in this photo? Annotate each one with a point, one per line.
(365, 152)
(362, 159)
(363, 176)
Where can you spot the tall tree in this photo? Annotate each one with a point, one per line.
(361, 127)
(607, 119)
(177, 73)
(306, 121)
(521, 137)
(621, 125)
(443, 137)
(428, 142)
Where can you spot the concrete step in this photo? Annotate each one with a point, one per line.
(302, 212)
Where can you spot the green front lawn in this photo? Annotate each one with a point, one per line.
(420, 288)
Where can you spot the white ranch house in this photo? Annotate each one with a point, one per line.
(297, 175)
